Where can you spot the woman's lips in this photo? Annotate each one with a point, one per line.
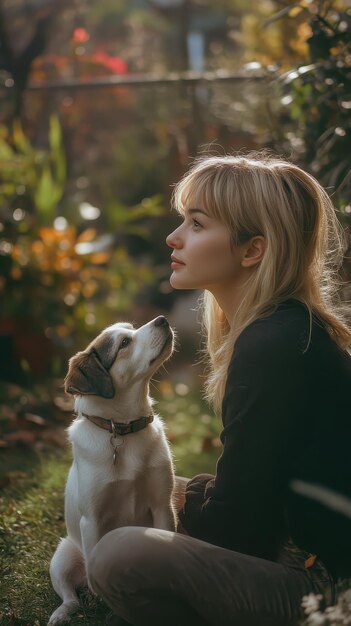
(175, 263)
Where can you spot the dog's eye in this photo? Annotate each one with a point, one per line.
(125, 342)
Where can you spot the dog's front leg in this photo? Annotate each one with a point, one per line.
(67, 572)
(89, 536)
(161, 488)
(164, 517)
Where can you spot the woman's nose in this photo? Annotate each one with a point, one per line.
(173, 239)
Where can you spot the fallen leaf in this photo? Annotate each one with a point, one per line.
(34, 419)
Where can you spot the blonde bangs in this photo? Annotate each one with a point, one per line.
(202, 187)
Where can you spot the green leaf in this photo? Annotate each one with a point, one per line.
(47, 194)
(55, 134)
(57, 150)
(6, 151)
(60, 166)
(8, 189)
(19, 139)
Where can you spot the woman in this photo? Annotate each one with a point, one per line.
(260, 237)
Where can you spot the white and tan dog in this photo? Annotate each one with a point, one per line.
(122, 471)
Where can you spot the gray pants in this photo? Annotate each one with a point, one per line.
(153, 577)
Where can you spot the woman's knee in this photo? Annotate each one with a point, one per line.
(111, 557)
(125, 553)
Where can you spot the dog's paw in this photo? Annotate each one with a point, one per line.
(63, 613)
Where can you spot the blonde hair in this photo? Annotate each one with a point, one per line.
(258, 194)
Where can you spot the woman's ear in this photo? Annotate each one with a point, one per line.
(253, 251)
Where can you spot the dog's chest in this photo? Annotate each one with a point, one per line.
(122, 503)
(98, 454)
(114, 494)
(127, 463)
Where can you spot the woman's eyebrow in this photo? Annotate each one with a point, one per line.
(194, 210)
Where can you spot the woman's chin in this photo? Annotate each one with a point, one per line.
(177, 283)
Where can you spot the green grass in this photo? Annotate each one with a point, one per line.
(31, 512)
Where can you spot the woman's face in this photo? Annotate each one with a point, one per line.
(202, 256)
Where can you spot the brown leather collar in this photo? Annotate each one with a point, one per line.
(120, 428)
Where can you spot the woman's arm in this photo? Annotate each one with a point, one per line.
(264, 404)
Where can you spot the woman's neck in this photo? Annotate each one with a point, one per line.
(229, 300)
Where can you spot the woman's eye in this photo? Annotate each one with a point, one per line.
(196, 224)
(125, 342)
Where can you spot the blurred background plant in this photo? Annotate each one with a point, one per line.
(59, 276)
(316, 122)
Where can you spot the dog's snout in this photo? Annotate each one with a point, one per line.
(161, 321)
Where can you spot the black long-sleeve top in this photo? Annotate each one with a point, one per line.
(286, 428)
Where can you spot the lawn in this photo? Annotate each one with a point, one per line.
(31, 509)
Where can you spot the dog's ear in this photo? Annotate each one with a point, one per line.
(88, 376)
(106, 349)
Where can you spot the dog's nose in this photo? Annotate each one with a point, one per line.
(161, 321)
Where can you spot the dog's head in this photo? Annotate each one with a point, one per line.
(119, 356)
